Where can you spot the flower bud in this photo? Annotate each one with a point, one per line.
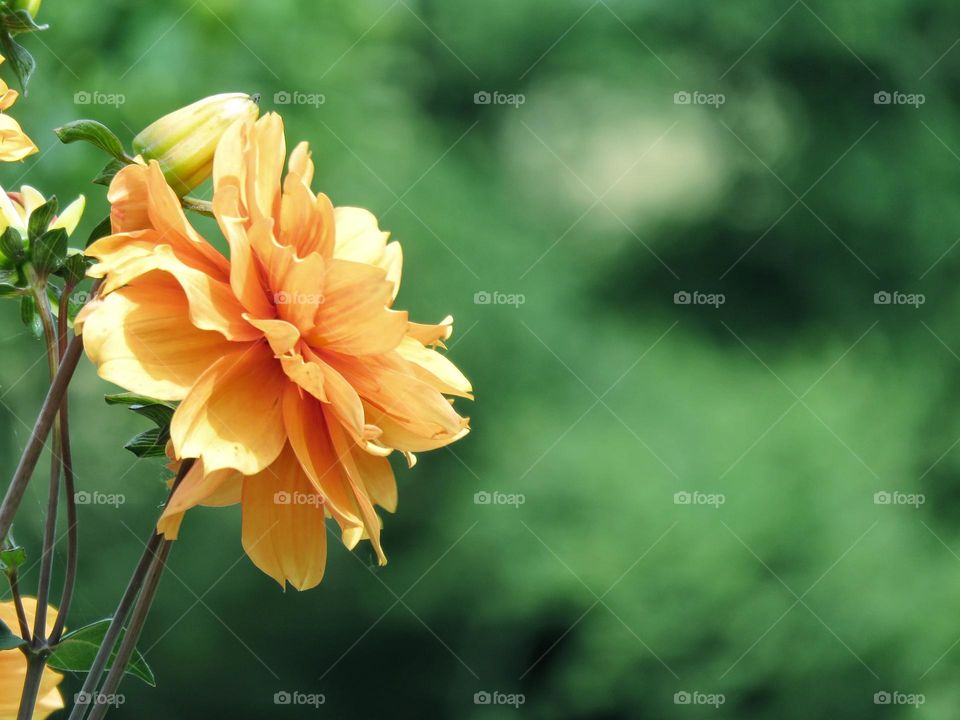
(184, 141)
(31, 6)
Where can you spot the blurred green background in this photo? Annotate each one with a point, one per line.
(786, 587)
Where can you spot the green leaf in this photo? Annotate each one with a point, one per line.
(41, 217)
(128, 398)
(21, 61)
(29, 316)
(75, 267)
(150, 443)
(102, 229)
(9, 639)
(13, 558)
(49, 250)
(11, 244)
(77, 650)
(18, 21)
(109, 170)
(7, 291)
(93, 132)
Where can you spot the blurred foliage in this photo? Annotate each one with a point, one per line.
(598, 398)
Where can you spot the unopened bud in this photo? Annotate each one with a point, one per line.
(31, 6)
(184, 141)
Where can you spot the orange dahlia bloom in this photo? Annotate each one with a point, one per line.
(13, 668)
(295, 376)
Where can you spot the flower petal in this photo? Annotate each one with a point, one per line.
(232, 417)
(141, 338)
(284, 532)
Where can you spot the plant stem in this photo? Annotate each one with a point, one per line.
(137, 581)
(31, 454)
(31, 686)
(69, 488)
(132, 635)
(50, 530)
(18, 604)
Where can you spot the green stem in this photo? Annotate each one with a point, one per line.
(31, 686)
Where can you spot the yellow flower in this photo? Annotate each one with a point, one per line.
(295, 376)
(16, 208)
(14, 143)
(13, 668)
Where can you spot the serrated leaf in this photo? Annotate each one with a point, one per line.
(11, 244)
(21, 61)
(77, 650)
(49, 250)
(102, 229)
(109, 170)
(29, 316)
(41, 217)
(9, 640)
(160, 415)
(13, 558)
(93, 132)
(150, 443)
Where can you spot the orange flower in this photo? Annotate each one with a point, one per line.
(296, 377)
(13, 668)
(14, 143)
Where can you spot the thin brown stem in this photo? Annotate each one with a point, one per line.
(134, 587)
(18, 604)
(70, 575)
(31, 686)
(31, 454)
